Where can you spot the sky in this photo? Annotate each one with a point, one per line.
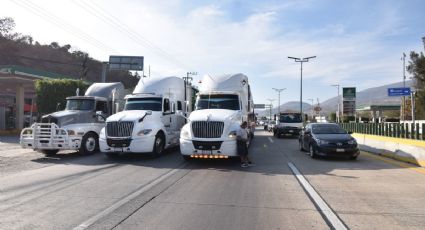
(358, 43)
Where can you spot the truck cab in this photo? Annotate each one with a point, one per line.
(288, 124)
(78, 126)
(222, 104)
(151, 120)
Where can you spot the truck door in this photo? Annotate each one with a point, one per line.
(166, 115)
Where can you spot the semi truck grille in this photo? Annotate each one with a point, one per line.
(119, 128)
(207, 129)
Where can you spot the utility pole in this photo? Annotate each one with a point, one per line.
(312, 108)
(301, 60)
(187, 81)
(84, 69)
(338, 113)
(271, 106)
(278, 93)
(413, 105)
(402, 114)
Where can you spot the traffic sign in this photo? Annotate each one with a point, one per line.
(396, 92)
(126, 63)
(259, 106)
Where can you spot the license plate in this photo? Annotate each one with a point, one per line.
(340, 150)
(206, 151)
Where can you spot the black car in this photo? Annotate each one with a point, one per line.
(325, 139)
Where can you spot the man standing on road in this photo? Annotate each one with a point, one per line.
(242, 148)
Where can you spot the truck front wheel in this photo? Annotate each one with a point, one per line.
(158, 145)
(89, 144)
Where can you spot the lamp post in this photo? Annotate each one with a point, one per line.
(301, 60)
(278, 92)
(271, 106)
(339, 100)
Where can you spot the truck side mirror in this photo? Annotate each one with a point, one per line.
(148, 112)
(100, 116)
(187, 104)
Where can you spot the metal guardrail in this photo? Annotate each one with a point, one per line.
(398, 130)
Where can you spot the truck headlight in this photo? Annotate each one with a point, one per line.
(185, 132)
(232, 135)
(71, 132)
(144, 132)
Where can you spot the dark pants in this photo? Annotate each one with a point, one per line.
(242, 148)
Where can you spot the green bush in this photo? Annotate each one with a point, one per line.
(51, 92)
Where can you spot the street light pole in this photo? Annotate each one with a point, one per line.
(278, 93)
(339, 101)
(301, 60)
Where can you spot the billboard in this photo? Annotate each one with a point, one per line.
(349, 101)
(126, 63)
(349, 93)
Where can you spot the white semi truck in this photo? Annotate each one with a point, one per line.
(151, 120)
(222, 104)
(78, 126)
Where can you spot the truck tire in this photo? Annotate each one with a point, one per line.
(50, 152)
(89, 144)
(158, 145)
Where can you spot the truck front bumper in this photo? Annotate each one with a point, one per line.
(48, 136)
(127, 145)
(205, 147)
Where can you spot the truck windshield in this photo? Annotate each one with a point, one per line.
(290, 118)
(154, 104)
(79, 104)
(221, 101)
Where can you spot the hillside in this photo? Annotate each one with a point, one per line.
(22, 50)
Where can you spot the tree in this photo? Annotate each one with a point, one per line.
(6, 26)
(416, 67)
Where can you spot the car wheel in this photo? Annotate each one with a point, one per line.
(312, 152)
(89, 144)
(300, 144)
(158, 145)
(50, 152)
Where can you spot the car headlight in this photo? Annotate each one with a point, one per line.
(232, 135)
(144, 132)
(352, 142)
(322, 142)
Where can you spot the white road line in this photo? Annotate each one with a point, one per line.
(331, 217)
(126, 199)
(271, 140)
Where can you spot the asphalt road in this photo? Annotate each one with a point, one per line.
(70, 191)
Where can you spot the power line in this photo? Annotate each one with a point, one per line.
(100, 13)
(51, 18)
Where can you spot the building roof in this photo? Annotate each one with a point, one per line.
(26, 71)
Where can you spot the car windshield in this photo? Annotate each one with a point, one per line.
(80, 104)
(222, 101)
(327, 129)
(290, 118)
(154, 104)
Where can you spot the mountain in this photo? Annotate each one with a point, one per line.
(372, 96)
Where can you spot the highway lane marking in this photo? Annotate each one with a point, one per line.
(127, 199)
(328, 213)
(394, 162)
(270, 139)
